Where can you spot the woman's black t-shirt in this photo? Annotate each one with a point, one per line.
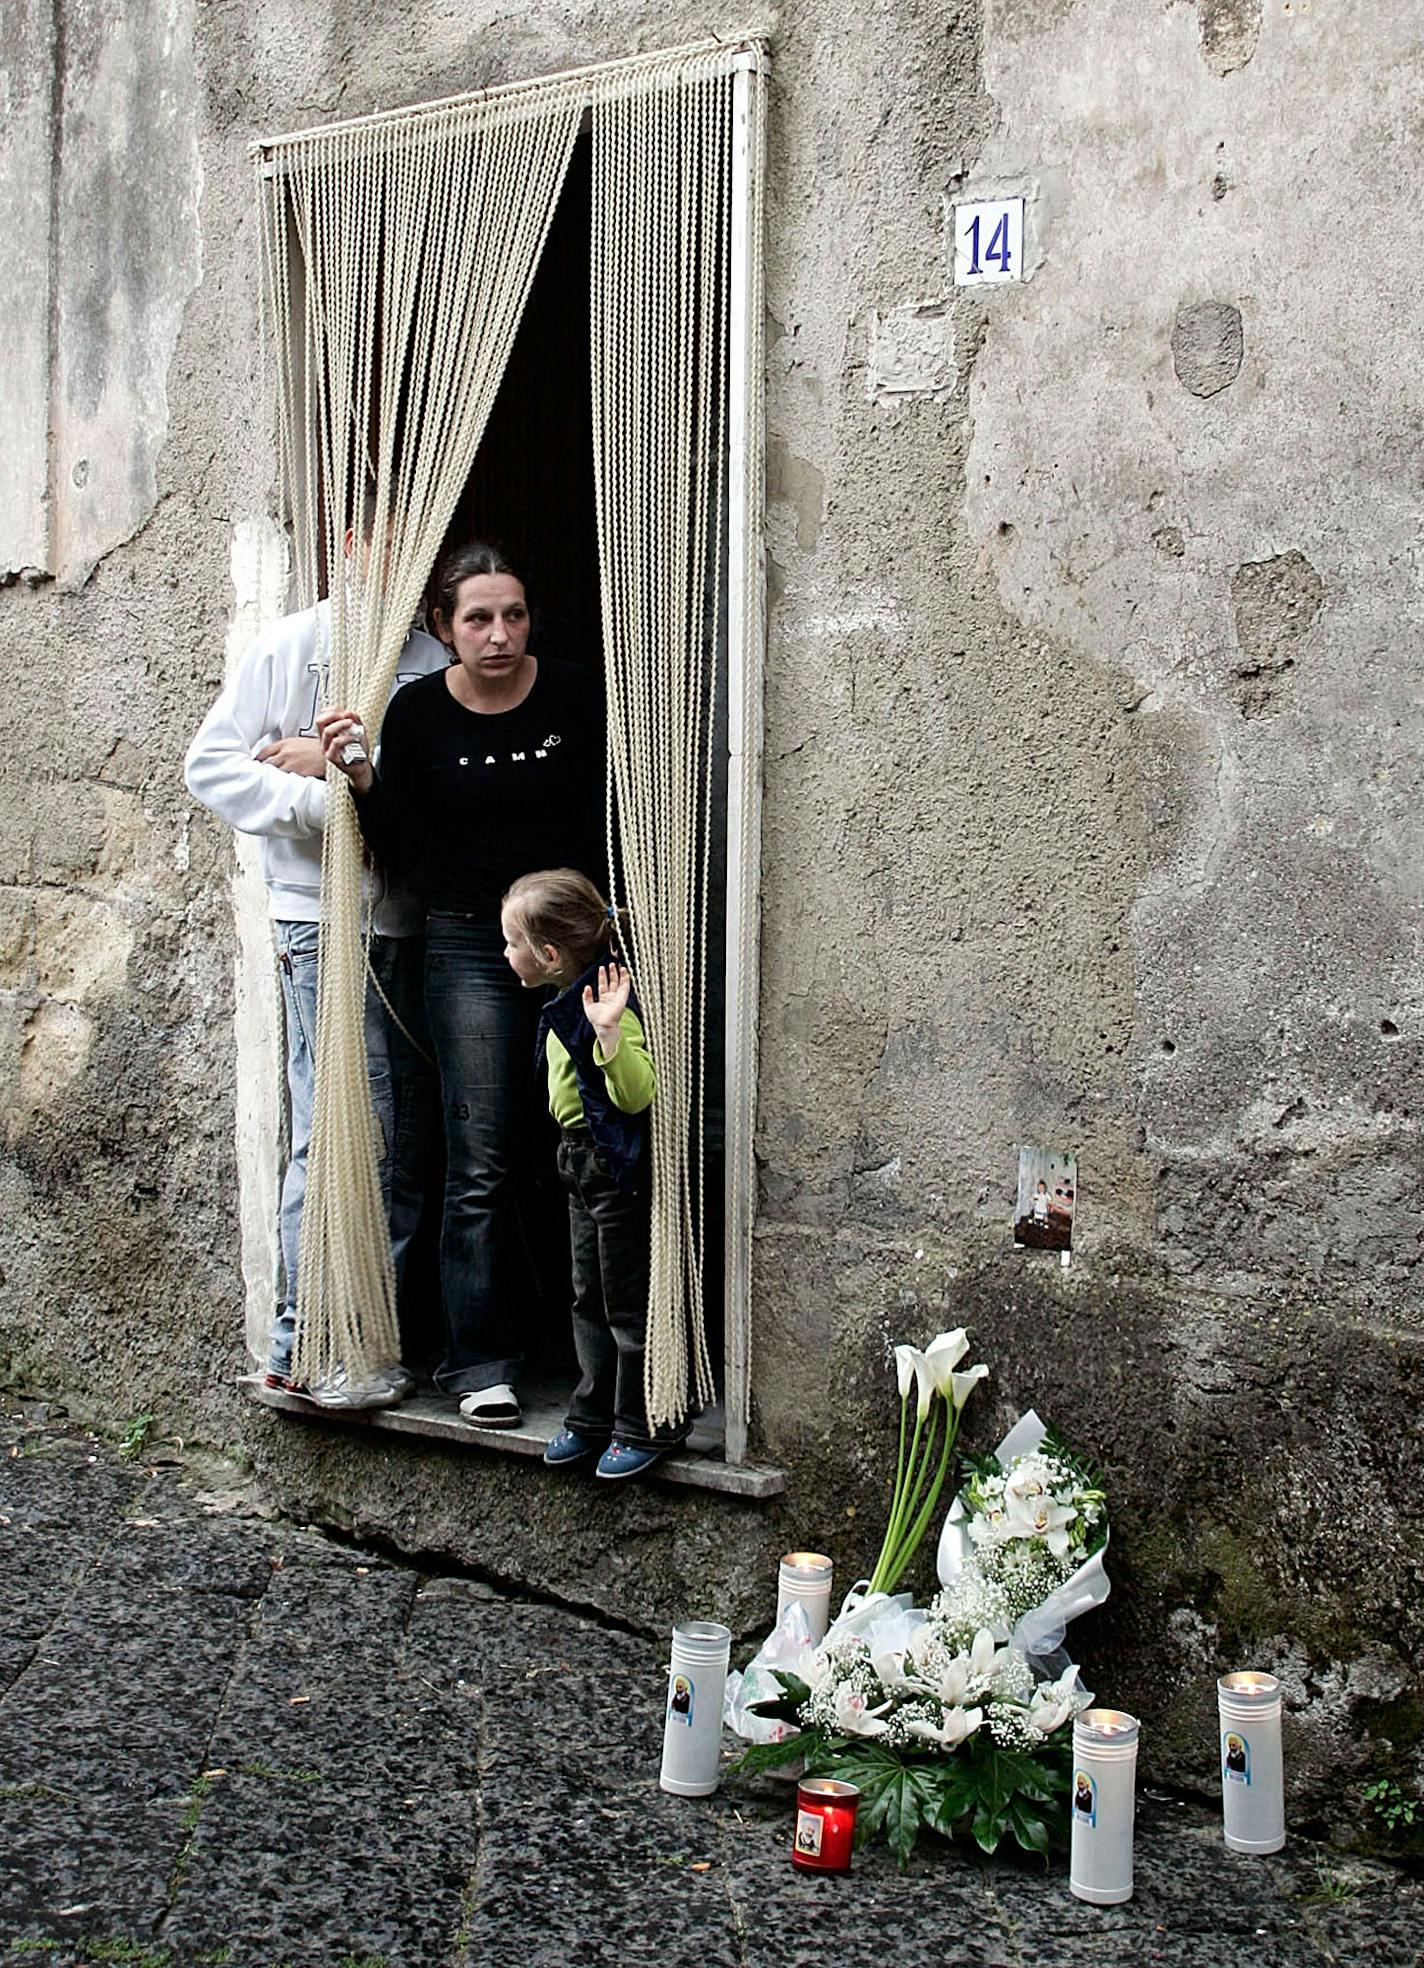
(467, 801)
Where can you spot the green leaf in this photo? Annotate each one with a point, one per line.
(770, 1756)
(987, 1827)
(1028, 1827)
(794, 1688)
(891, 1794)
(775, 1708)
(952, 1795)
(1000, 1773)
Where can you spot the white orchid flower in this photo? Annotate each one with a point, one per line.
(854, 1715)
(962, 1385)
(1036, 1515)
(1053, 1702)
(957, 1724)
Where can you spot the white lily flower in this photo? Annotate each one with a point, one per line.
(973, 1670)
(962, 1385)
(957, 1724)
(855, 1717)
(981, 1654)
(889, 1665)
(1053, 1702)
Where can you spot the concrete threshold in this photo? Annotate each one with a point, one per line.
(700, 1465)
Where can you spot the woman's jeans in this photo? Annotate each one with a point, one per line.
(610, 1232)
(403, 1100)
(483, 1025)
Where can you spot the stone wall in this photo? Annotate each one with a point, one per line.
(1092, 788)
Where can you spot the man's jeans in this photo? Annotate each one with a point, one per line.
(403, 1099)
(610, 1234)
(483, 1025)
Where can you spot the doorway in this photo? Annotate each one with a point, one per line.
(531, 491)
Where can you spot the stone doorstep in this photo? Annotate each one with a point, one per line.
(698, 1466)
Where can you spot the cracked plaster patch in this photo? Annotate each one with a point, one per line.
(912, 352)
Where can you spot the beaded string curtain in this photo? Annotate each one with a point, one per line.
(398, 253)
(660, 318)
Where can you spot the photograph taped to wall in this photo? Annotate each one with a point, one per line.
(1048, 1190)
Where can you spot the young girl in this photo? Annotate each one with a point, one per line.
(559, 930)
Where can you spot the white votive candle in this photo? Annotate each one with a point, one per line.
(692, 1731)
(805, 1580)
(1253, 1800)
(1102, 1805)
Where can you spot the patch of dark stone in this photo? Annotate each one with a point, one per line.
(342, 1726)
(285, 1875)
(314, 1606)
(82, 1864)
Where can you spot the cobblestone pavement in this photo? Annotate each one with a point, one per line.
(227, 1740)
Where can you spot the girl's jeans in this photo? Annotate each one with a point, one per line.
(482, 1026)
(403, 1100)
(609, 1233)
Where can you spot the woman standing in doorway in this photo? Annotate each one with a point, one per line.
(491, 769)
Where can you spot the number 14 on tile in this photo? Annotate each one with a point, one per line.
(988, 242)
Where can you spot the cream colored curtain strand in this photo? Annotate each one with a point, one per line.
(416, 246)
(661, 162)
(399, 252)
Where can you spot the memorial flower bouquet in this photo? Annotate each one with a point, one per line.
(950, 1718)
(1023, 1544)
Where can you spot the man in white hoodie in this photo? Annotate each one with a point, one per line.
(257, 764)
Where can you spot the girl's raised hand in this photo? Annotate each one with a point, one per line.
(604, 1011)
(337, 729)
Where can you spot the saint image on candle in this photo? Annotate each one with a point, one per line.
(1238, 1755)
(681, 1703)
(1083, 1796)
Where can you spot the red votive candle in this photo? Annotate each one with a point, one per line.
(825, 1824)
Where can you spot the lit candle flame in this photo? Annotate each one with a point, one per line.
(1109, 1722)
(807, 1561)
(1249, 1682)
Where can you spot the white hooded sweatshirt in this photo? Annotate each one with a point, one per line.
(275, 692)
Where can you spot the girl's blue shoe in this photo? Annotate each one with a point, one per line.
(566, 1447)
(622, 1459)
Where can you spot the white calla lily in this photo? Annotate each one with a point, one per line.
(908, 1361)
(962, 1385)
(943, 1355)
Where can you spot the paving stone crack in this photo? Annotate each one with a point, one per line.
(201, 1787)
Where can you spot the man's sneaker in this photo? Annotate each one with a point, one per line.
(492, 1407)
(341, 1391)
(567, 1447)
(621, 1459)
(282, 1383)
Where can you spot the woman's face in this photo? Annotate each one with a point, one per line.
(489, 630)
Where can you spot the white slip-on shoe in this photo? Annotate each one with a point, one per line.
(492, 1407)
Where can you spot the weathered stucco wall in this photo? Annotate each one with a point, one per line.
(1091, 783)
